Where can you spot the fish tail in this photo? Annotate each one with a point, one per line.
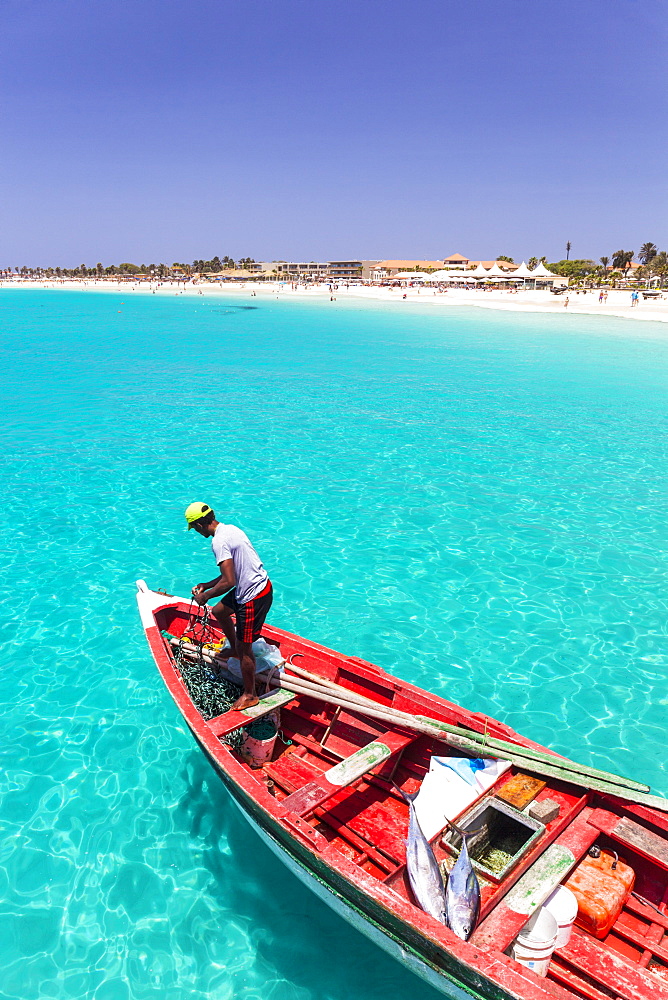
(462, 833)
(406, 795)
(453, 826)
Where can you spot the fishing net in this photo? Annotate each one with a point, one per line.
(212, 695)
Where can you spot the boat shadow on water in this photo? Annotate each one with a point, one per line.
(295, 937)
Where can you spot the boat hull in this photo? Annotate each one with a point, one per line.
(359, 922)
(356, 912)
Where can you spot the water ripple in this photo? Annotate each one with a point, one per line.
(476, 503)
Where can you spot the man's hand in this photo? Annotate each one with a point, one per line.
(200, 597)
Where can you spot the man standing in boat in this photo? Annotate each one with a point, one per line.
(246, 588)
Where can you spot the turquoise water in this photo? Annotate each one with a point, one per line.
(475, 500)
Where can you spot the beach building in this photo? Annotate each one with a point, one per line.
(263, 266)
(229, 274)
(304, 269)
(346, 269)
(385, 269)
(456, 260)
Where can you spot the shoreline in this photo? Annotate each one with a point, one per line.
(581, 303)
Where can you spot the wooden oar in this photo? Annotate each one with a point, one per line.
(323, 694)
(539, 767)
(535, 761)
(488, 743)
(559, 769)
(484, 740)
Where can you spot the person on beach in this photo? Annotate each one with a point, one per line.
(245, 589)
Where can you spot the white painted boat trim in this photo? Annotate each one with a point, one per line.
(149, 601)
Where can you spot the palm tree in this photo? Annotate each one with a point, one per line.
(647, 252)
(621, 259)
(659, 265)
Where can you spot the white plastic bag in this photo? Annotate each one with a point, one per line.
(266, 657)
(450, 785)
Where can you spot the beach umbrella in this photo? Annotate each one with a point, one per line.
(450, 276)
(542, 272)
(495, 272)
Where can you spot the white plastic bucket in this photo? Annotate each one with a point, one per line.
(563, 906)
(534, 946)
(257, 752)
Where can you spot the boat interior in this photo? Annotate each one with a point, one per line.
(366, 820)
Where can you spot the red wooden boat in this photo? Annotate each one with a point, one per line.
(330, 810)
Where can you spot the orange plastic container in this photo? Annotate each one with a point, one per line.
(601, 892)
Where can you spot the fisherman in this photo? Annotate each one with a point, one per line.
(246, 588)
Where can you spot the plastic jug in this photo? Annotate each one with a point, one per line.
(601, 886)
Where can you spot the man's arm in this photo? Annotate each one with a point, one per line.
(216, 588)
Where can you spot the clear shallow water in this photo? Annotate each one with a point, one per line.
(473, 499)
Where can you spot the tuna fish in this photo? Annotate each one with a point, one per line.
(462, 896)
(424, 874)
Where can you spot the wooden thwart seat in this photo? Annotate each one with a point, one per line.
(346, 772)
(226, 723)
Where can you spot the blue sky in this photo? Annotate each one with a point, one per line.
(151, 130)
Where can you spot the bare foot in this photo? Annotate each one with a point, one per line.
(245, 701)
(223, 655)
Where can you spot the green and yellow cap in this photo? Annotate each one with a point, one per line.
(194, 511)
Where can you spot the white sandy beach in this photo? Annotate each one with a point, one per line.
(618, 303)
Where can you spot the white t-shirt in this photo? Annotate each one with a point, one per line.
(229, 542)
